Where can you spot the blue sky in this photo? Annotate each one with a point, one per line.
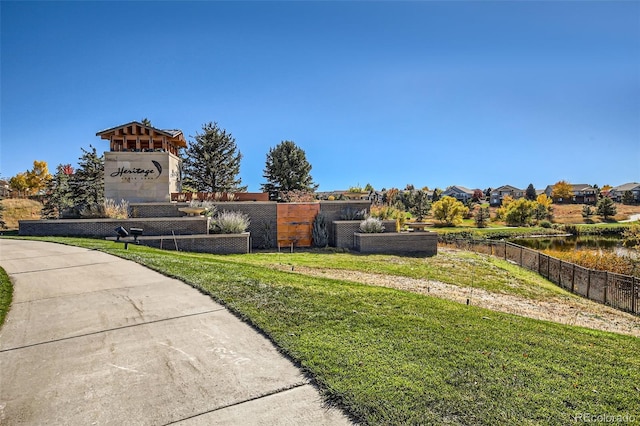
(478, 94)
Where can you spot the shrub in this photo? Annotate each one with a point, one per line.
(371, 225)
(389, 212)
(349, 213)
(107, 210)
(229, 222)
(632, 237)
(320, 234)
(208, 206)
(571, 229)
(545, 224)
(267, 236)
(385, 212)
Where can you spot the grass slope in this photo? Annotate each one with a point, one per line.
(6, 295)
(16, 209)
(395, 358)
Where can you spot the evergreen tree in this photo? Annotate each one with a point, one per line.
(437, 194)
(59, 195)
(418, 204)
(482, 217)
(87, 184)
(3, 224)
(212, 162)
(606, 208)
(287, 169)
(627, 198)
(530, 192)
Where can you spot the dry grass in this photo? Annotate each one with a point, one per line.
(16, 209)
(572, 213)
(566, 310)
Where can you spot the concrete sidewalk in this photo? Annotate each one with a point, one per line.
(93, 339)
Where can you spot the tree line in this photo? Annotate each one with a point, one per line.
(211, 163)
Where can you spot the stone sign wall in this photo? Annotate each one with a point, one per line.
(141, 176)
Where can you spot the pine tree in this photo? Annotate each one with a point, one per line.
(530, 192)
(59, 195)
(87, 184)
(287, 169)
(418, 204)
(606, 208)
(482, 217)
(212, 162)
(3, 224)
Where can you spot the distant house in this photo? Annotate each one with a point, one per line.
(582, 193)
(460, 193)
(617, 193)
(498, 194)
(4, 189)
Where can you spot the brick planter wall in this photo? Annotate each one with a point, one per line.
(105, 227)
(146, 210)
(400, 243)
(332, 211)
(262, 215)
(343, 230)
(212, 243)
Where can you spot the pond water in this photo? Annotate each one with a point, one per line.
(613, 244)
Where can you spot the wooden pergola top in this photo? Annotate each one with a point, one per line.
(136, 129)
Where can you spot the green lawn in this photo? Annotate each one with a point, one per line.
(6, 294)
(394, 358)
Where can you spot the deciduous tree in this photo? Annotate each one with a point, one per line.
(520, 212)
(449, 211)
(20, 184)
(287, 169)
(212, 162)
(38, 177)
(544, 210)
(562, 191)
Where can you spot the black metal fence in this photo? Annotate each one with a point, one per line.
(616, 290)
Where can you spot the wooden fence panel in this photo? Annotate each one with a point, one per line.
(295, 223)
